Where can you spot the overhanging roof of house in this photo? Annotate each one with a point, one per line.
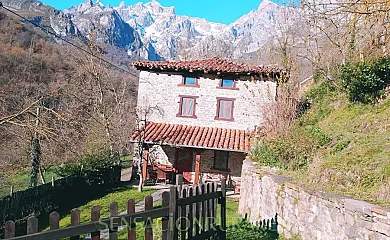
(194, 136)
(209, 65)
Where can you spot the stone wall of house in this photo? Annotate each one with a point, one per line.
(234, 163)
(160, 93)
(311, 214)
(207, 161)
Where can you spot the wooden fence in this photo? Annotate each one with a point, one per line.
(186, 213)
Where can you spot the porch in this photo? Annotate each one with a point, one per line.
(200, 154)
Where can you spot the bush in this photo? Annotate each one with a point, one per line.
(317, 134)
(341, 146)
(244, 230)
(366, 82)
(262, 153)
(290, 150)
(317, 94)
(89, 162)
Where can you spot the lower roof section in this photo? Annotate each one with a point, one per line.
(178, 135)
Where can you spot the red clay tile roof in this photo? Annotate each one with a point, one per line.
(209, 65)
(195, 136)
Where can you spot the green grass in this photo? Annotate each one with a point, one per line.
(232, 218)
(354, 157)
(21, 181)
(126, 161)
(231, 211)
(120, 195)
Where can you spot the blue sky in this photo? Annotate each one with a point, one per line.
(223, 11)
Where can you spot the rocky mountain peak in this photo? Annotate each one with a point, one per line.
(122, 5)
(156, 8)
(266, 4)
(152, 31)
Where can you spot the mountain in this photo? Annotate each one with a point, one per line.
(165, 34)
(104, 23)
(171, 36)
(44, 15)
(154, 32)
(248, 35)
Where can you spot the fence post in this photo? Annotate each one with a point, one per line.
(198, 207)
(9, 230)
(95, 216)
(148, 222)
(75, 220)
(52, 181)
(54, 220)
(113, 216)
(204, 208)
(183, 215)
(11, 192)
(215, 201)
(131, 233)
(209, 210)
(190, 215)
(223, 209)
(179, 180)
(213, 207)
(172, 228)
(165, 220)
(32, 225)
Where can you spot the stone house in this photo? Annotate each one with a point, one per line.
(201, 113)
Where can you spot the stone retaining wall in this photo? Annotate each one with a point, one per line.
(311, 214)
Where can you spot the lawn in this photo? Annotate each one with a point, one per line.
(231, 211)
(120, 195)
(231, 218)
(20, 181)
(126, 161)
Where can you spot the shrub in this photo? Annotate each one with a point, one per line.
(89, 162)
(341, 146)
(290, 150)
(366, 82)
(244, 230)
(317, 134)
(293, 149)
(280, 115)
(316, 94)
(318, 97)
(262, 153)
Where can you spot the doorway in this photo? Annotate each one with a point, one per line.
(183, 163)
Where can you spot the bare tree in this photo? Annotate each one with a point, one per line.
(354, 28)
(143, 113)
(105, 98)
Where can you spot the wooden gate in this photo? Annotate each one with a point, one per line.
(186, 213)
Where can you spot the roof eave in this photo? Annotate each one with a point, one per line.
(173, 71)
(189, 146)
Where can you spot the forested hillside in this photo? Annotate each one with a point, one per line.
(73, 102)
